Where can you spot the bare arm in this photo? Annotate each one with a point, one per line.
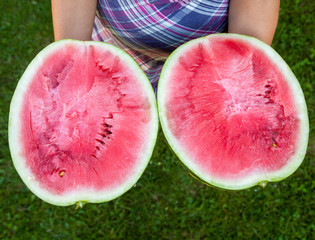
(73, 18)
(256, 18)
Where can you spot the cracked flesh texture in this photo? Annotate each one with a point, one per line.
(85, 120)
(231, 109)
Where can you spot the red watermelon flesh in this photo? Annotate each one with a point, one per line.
(230, 108)
(88, 121)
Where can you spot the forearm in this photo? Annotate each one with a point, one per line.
(73, 19)
(256, 18)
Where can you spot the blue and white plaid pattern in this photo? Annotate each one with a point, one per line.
(150, 29)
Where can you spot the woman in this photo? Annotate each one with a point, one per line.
(150, 29)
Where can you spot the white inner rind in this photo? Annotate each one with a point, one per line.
(255, 177)
(15, 124)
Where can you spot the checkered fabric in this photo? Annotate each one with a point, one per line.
(149, 30)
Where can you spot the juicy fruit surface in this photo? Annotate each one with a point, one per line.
(85, 120)
(231, 109)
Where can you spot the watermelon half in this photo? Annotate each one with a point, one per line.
(83, 123)
(233, 111)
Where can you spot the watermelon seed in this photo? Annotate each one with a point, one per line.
(100, 141)
(104, 130)
(107, 131)
(107, 125)
(54, 171)
(102, 134)
(93, 155)
(274, 144)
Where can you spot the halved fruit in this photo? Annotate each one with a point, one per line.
(83, 123)
(233, 111)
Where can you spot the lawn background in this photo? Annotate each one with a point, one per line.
(166, 203)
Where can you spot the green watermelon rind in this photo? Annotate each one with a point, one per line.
(256, 178)
(14, 130)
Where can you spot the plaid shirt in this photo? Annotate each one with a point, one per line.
(149, 30)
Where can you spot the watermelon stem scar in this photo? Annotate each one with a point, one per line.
(79, 205)
(263, 184)
(72, 117)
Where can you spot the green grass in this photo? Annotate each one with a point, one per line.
(166, 203)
